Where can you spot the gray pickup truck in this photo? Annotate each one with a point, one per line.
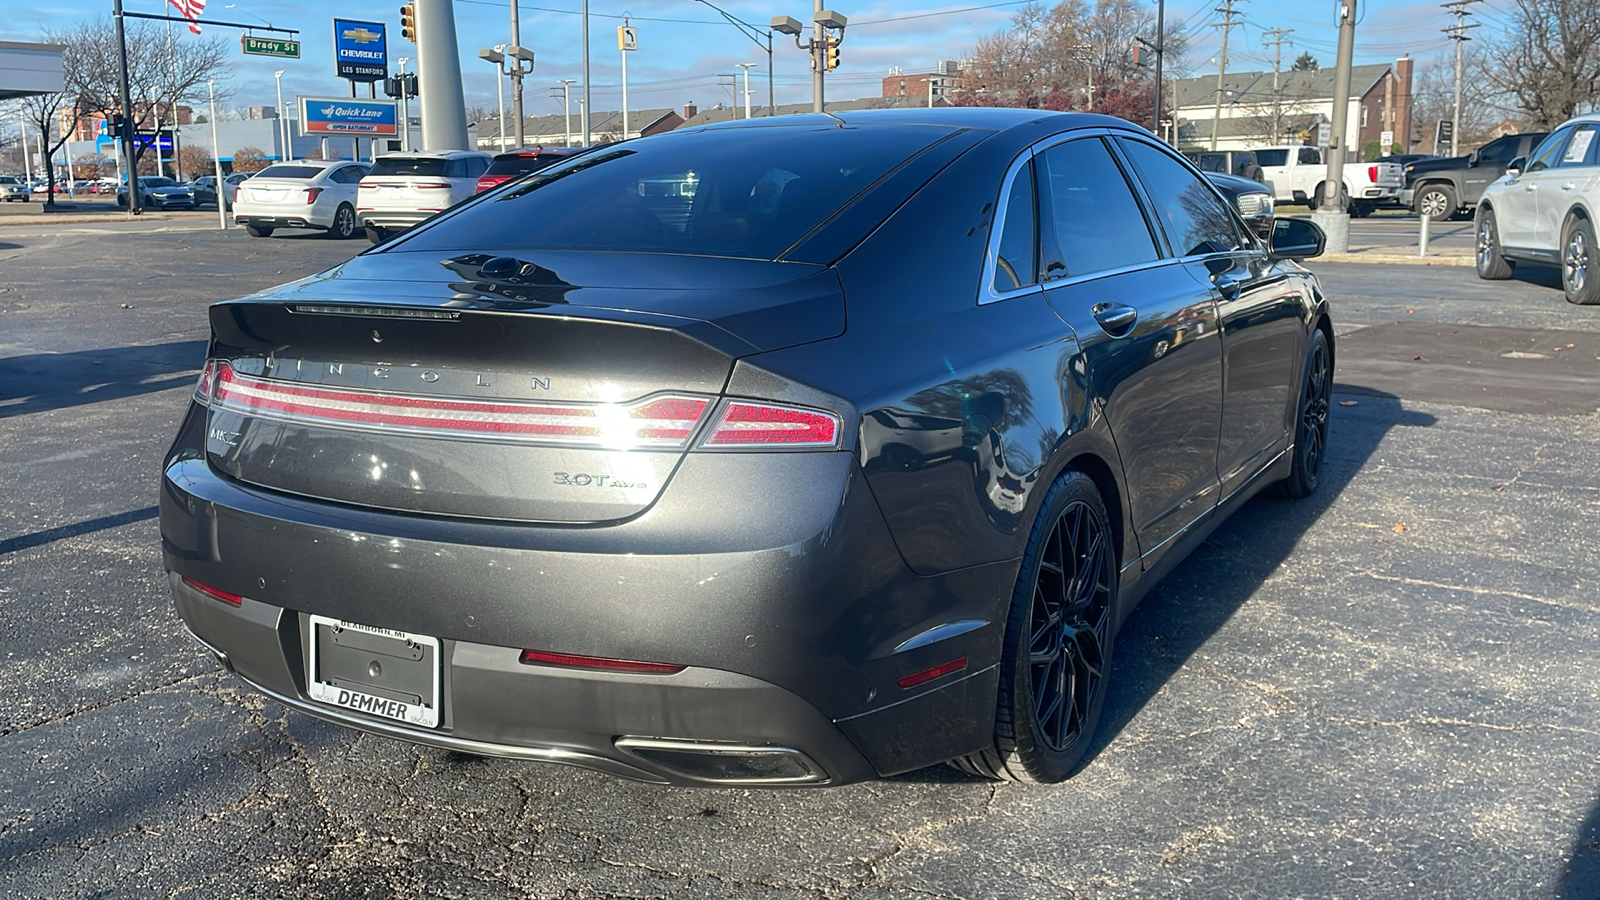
(1442, 188)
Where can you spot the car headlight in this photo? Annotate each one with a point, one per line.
(1253, 205)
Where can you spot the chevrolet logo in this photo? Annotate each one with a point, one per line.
(362, 36)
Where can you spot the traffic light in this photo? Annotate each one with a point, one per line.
(408, 22)
(833, 53)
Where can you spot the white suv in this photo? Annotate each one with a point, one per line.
(402, 189)
(303, 193)
(1543, 211)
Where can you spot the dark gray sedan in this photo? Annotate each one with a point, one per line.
(788, 452)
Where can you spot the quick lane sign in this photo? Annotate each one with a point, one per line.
(270, 47)
(360, 50)
(331, 115)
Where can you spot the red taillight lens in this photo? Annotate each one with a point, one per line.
(216, 593)
(312, 194)
(486, 182)
(431, 185)
(927, 675)
(208, 377)
(656, 423)
(1372, 174)
(600, 663)
(750, 425)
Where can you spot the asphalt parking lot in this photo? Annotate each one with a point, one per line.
(1386, 690)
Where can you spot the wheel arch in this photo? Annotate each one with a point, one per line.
(1105, 481)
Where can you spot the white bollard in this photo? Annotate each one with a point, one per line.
(1422, 236)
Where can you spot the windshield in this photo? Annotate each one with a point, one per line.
(724, 192)
(289, 171)
(1272, 157)
(427, 167)
(157, 181)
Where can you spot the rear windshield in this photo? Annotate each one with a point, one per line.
(427, 167)
(722, 192)
(286, 171)
(521, 165)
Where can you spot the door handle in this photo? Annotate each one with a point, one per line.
(1228, 283)
(1530, 186)
(1569, 186)
(1116, 318)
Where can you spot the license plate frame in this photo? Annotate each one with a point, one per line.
(412, 653)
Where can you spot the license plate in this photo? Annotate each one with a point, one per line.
(378, 671)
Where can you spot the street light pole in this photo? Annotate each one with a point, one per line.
(584, 104)
(516, 81)
(746, 68)
(216, 156)
(283, 121)
(566, 108)
(405, 108)
(751, 32)
(497, 57)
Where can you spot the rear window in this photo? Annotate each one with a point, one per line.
(426, 167)
(748, 193)
(286, 171)
(513, 166)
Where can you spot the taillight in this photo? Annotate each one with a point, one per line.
(430, 184)
(486, 182)
(311, 195)
(1372, 174)
(599, 663)
(215, 593)
(208, 377)
(748, 425)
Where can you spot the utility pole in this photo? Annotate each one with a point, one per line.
(583, 102)
(566, 108)
(1277, 41)
(1331, 214)
(1161, 52)
(516, 82)
(1458, 33)
(746, 67)
(1226, 25)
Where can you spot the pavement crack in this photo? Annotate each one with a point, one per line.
(1479, 591)
(1447, 722)
(82, 710)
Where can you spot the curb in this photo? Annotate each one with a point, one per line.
(1394, 260)
(70, 219)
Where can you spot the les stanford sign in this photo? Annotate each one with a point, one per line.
(323, 116)
(360, 50)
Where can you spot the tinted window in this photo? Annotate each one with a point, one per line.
(290, 171)
(1310, 157)
(426, 167)
(749, 192)
(1014, 264)
(349, 174)
(512, 166)
(1549, 151)
(1094, 222)
(7, 179)
(1193, 216)
(155, 181)
(1580, 150)
(1272, 157)
(1503, 150)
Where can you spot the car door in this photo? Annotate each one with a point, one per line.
(1486, 166)
(1519, 203)
(1259, 312)
(1148, 332)
(1564, 182)
(345, 180)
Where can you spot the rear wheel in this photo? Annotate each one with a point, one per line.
(1492, 266)
(1577, 257)
(1311, 421)
(1436, 201)
(1059, 635)
(258, 231)
(344, 223)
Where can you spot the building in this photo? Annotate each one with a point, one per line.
(930, 87)
(89, 127)
(30, 69)
(605, 127)
(1260, 109)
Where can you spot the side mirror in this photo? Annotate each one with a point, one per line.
(1516, 166)
(1295, 239)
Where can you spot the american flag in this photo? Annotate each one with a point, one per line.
(191, 10)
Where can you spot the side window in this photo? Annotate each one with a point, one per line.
(455, 168)
(1309, 156)
(1194, 217)
(1275, 157)
(1498, 151)
(1549, 151)
(1090, 221)
(1015, 265)
(1580, 150)
(476, 166)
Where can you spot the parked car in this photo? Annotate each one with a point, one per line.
(13, 188)
(305, 193)
(405, 188)
(516, 163)
(158, 192)
(1543, 212)
(1242, 163)
(205, 188)
(1251, 198)
(750, 500)
(1447, 187)
(1298, 175)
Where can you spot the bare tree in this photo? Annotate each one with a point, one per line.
(1549, 58)
(1483, 104)
(43, 111)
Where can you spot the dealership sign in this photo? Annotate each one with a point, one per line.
(329, 115)
(360, 50)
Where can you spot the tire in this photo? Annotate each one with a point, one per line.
(1315, 200)
(1059, 637)
(1311, 420)
(376, 235)
(1361, 210)
(1436, 201)
(344, 223)
(1578, 258)
(1492, 266)
(258, 231)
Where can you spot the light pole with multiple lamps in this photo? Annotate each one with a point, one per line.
(497, 56)
(405, 107)
(827, 33)
(509, 59)
(753, 33)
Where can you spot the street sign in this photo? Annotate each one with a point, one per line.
(1444, 137)
(270, 47)
(627, 37)
(360, 50)
(1385, 142)
(1324, 134)
(321, 116)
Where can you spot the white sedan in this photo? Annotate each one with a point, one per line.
(304, 193)
(1543, 211)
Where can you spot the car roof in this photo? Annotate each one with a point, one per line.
(538, 151)
(324, 163)
(434, 154)
(984, 117)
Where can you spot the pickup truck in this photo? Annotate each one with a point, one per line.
(1297, 175)
(1442, 188)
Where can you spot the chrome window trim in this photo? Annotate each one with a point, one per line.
(997, 222)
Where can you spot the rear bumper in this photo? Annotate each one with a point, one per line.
(277, 222)
(392, 219)
(794, 615)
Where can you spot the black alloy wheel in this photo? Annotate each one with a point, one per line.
(344, 223)
(1491, 265)
(1059, 636)
(1577, 258)
(1311, 420)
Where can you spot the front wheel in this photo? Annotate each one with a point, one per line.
(1436, 201)
(1059, 635)
(344, 223)
(1311, 420)
(1577, 254)
(1492, 266)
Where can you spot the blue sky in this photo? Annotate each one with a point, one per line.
(684, 45)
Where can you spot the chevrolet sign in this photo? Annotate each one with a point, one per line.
(360, 50)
